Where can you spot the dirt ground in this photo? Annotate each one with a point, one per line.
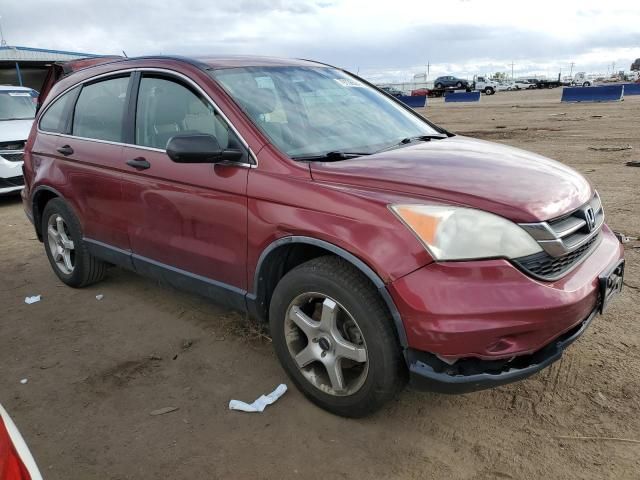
(96, 369)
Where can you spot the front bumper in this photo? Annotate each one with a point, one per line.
(424, 377)
(493, 322)
(11, 178)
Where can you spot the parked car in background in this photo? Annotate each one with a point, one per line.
(17, 110)
(392, 91)
(450, 81)
(379, 247)
(16, 461)
(523, 85)
(420, 92)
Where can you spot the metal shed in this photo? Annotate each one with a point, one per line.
(28, 66)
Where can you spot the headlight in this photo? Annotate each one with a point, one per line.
(457, 233)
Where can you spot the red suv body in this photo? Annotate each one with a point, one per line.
(465, 263)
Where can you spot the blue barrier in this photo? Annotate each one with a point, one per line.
(632, 88)
(604, 93)
(462, 97)
(413, 101)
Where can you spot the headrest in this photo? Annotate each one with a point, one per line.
(169, 109)
(259, 101)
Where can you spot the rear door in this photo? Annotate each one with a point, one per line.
(81, 133)
(190, 219)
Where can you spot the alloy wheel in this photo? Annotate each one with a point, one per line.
(326, 344)
(60, 245)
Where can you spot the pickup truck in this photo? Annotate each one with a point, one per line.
(484, 84)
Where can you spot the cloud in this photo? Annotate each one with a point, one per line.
(393, 39)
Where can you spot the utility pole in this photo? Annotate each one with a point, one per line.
(512, 64)
(3, 42)
(571, 72)
(426, 75)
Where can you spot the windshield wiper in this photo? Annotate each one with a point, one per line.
(334, 156)
(407, 140)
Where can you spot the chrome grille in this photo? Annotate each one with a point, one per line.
(546, 267)
(13, 145)
(565, 241)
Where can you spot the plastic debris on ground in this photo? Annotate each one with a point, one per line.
(30, 300)
(261, 403)
(24, 381)
(99, 297)
(162, 411)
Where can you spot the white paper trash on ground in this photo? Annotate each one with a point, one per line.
(260, 404)
(30, 300)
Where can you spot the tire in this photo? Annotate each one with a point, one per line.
(332, 284)
(459, 85)
(489, 91)
(586, 84)
(438, 85)
(85, 268)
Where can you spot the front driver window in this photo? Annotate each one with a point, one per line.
(167, 108)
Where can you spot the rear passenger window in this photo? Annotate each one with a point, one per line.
(54, 119)
(100, 109)
(167, 108)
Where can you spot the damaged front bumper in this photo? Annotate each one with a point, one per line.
(430, 373)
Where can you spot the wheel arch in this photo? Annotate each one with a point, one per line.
(39, 199)
(285, 253)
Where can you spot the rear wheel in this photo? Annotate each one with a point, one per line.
(438, 85)
(335, 337)
(459, 84)
(66, 250)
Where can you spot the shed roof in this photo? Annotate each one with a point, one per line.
(28, 54)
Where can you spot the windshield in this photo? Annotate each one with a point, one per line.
(311, 111)
(17, 105)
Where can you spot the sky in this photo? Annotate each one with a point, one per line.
(383, 41)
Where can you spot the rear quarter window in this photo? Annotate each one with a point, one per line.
(55, 117)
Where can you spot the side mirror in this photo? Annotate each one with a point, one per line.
(200, 148)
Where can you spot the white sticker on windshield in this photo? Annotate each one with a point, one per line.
(19, 94)
(348, 82)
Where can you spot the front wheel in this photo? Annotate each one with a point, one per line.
(439, 85)
(489, 91)
(335, 337)
(459, 84)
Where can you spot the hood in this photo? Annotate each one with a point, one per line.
(507, 181)
(14, 129)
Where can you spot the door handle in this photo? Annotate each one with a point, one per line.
(139, 163)
(66, 150)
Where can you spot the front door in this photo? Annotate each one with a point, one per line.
(187, 222)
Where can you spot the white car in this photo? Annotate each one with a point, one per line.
(523, 85)
(17, 110)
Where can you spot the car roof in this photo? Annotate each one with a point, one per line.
(214, 62)
(230, 61)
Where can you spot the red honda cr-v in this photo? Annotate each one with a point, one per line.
(378, 246)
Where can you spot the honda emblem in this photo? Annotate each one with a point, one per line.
(590, 218)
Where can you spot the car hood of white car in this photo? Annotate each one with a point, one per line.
(11, 130)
